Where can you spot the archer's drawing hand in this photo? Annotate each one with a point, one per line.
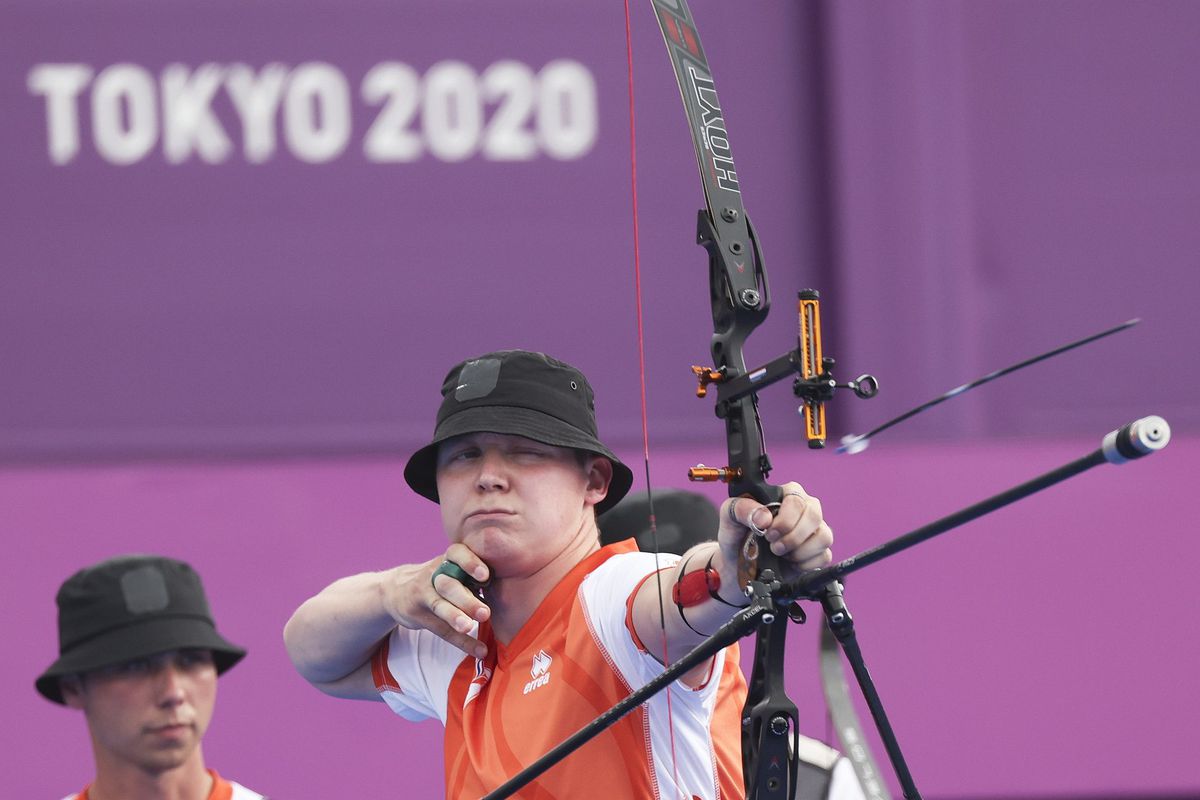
(797, 533)
(442, 605)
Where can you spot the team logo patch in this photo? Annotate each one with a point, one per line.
(540, 671)
(483, 674)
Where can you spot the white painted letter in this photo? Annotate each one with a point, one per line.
(119, 90)
(61, 84)
(451, 110)
(566, 112)
(256, 100)
(398, 87)
(316, 112)
(188, 122)
(510, 84)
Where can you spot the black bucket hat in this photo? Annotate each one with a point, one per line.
(131, 607)
(519, 393)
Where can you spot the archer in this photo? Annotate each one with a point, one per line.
(559, 627)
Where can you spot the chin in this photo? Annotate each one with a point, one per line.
(167, 760)
(503, 554)
(497, 555)
(489, 541)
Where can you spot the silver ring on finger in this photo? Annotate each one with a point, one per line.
(732, 511)
(772, 507)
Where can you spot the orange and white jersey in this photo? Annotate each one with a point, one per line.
(221, 790)
(575, 658)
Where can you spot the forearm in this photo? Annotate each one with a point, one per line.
(333, 633)
(684, 626)
(796, 532)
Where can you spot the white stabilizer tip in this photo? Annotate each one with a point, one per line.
(1139, 438)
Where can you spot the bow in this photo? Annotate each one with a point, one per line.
(740, 298)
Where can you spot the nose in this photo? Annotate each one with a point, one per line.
(172, 685)
(492, 475)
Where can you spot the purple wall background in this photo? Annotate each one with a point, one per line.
(967, 184)
(1048, 650)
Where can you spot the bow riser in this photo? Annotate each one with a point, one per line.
(740, 300)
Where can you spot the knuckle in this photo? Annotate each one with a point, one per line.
(438, 607)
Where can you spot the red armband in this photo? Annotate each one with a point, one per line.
(696, 587)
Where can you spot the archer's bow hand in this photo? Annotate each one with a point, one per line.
(796, 531)
(703, 590)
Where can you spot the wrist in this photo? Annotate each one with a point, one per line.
(694, 587)
(730, 592)
(398, 588)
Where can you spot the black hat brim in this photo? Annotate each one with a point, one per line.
(140, 640)
(421, 470)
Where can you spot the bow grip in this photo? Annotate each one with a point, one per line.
(770, 721)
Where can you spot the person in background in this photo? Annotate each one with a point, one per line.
(682, 520)
(139, 655)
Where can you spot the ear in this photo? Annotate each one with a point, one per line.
(71, 687)
(599, 472)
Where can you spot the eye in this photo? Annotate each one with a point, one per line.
(191, 659)
(457, 454)
(137, 666)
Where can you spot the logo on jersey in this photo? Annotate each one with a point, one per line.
(540, 671)
(483, 674)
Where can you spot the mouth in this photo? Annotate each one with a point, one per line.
(490, 512)
(170, 729)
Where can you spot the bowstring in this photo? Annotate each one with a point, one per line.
(641, 348)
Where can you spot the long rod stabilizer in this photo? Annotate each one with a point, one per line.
(1137, 439)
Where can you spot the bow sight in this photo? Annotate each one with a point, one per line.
(814, 387)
